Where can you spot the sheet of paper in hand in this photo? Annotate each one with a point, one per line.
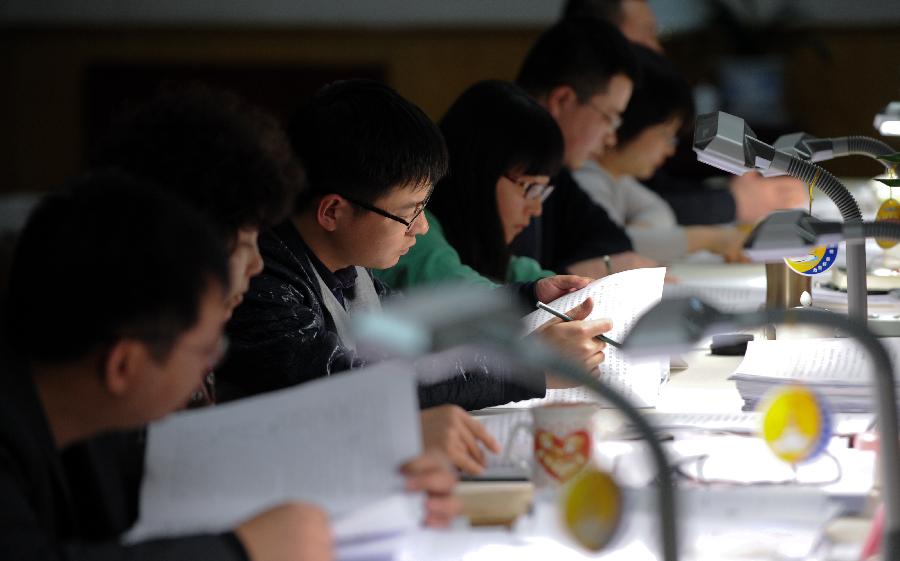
(623, 298)
(335, 442)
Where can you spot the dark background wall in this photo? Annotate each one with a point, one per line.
(63, 74)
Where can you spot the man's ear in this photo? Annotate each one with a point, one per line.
(124, 364)
(560, 99)
(329, 210)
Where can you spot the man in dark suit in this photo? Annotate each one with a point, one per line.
(115, 314)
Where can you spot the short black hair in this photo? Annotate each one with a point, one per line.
(492, 129)
(105, 258)
(609, 10)
(360, 139)
(662, 94)
(226, 157)
(582, 53)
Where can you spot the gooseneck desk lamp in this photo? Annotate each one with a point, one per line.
(726, 142)
(452, 316)
(791, 232)
(676, 325)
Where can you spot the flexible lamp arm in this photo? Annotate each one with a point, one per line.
(679, 323)
(878, 229)
(769, 158)
(862, 146)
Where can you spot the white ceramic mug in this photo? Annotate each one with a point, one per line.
(563, 441)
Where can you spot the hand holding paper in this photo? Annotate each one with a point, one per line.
(289, 531)
(331, 442)
(453, 432)
(431, 472)
(550, 288)
(577, 339)
(621, 298)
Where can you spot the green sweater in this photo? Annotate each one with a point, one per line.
(434, 260)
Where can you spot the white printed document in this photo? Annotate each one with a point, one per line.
(623, 298)
(838, 369)
(336, 442)
(747, 422)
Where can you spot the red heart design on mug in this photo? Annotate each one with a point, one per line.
(562, 457)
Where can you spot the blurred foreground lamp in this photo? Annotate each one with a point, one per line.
(792, 232)
(813, 149)
(887, 121)
(450, 316)
(676, 325)
(726, 142)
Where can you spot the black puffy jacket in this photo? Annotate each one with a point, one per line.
(282, 335)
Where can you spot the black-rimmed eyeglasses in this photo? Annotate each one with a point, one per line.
(420, 207)
(532, 190)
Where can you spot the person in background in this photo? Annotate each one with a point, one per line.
(582, 71)
(634, 18)
(224, 156)
(657, 111)
(503, 148)
(749, 197)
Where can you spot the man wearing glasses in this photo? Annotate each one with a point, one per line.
(583, 72)
(372, 159)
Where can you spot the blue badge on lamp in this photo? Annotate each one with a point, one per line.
(818, 260)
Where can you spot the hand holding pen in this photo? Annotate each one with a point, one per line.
(566, 317)
(577, 340)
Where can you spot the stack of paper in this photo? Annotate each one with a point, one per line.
(746, 422)
(331, 442)
(839, 370)
(622, 298)
(886, 306)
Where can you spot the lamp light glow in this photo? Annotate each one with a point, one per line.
(887, 121)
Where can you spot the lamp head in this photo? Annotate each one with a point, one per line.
(674, 325)
(794, 144)
(806, 146)
(439, 318)
(726, 142)
(887, 121)
(788, 233)
(719, 142)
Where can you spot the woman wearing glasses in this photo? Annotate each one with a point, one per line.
(503, 149)
(658, 108)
